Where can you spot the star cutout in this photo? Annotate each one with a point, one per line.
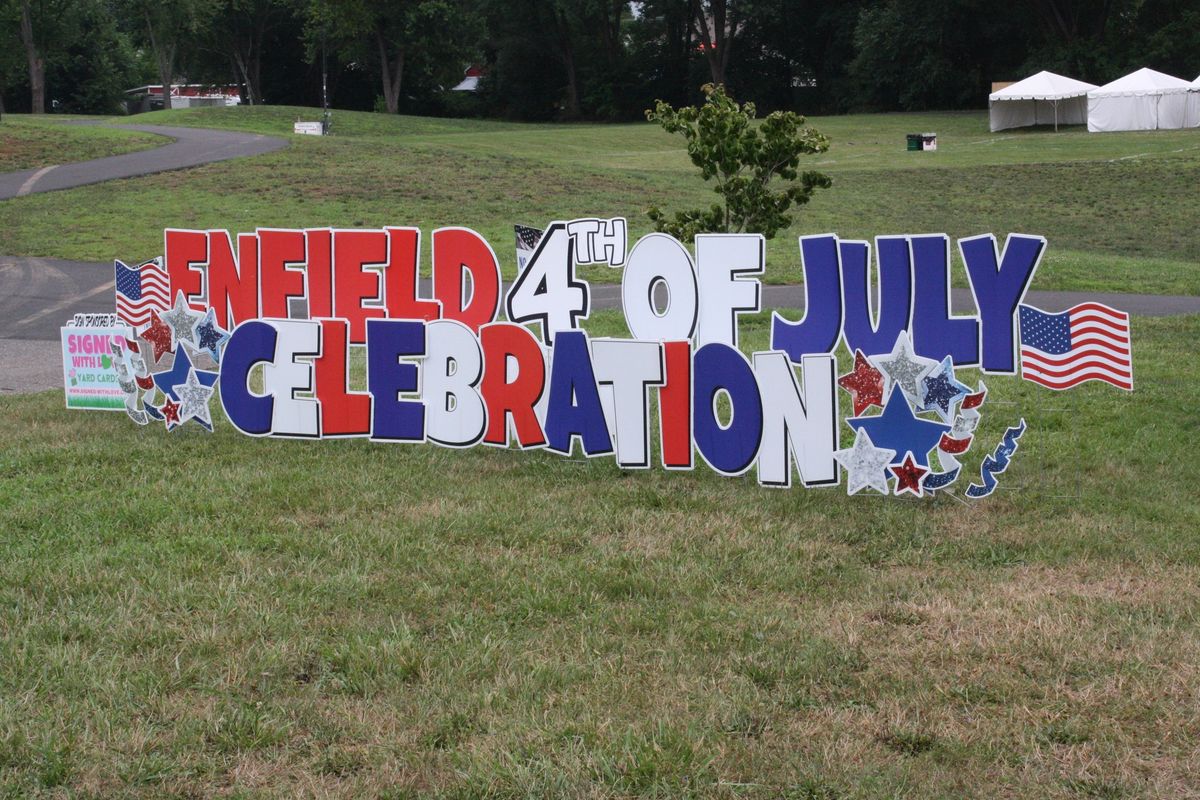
(182, 320)
(904, 368)
(898, 429)
(865, 464)
(194, 397)
(170, 413)
(864, 383)
(177, 374)
(210, 336)
(942, 390)
(159, 335)
(200, 359)
(909, 476)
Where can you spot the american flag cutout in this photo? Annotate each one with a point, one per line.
(141, 290)
(527, 242)
(1089, 342)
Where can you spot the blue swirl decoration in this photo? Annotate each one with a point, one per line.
(940, 480)
(996, 463)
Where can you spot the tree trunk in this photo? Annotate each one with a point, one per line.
(164, 56)
(717, 38)
(37, 65)
(567, 53)
(165, 64)
(247, 78)
(392, 73)
(255, 74)
(574, 110)
(610, 31)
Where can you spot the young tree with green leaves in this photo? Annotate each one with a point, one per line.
(744, 160)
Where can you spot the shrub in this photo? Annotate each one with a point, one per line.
(744, 159)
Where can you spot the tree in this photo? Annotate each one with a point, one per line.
(91, 69)
(662, 44)
(429, 35)
(591, 47)
(744, 159)
(717, 22)
(240, 28)
(10, 48)
(45, 25)
(168, 26)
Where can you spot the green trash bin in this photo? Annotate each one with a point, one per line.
(915, 141)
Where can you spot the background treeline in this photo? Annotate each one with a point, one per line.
(580, 59)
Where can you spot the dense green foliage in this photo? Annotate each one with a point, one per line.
(585, 59)
(742, 159)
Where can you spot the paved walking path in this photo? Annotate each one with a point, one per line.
(38, 294)
(191, 147)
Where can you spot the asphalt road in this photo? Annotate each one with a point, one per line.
(191, 147)
(38, 294)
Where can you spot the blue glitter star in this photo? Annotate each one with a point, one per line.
(897, 429)
(942, 390)
(167, 381)
(210, 336)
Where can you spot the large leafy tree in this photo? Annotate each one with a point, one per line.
(11, 64)
(564, 58)
(168, 27)
(92, 69)
(663, 45)
(924, 54)
(430, 37)
(241, 31)
(46, 26)
(717, 23)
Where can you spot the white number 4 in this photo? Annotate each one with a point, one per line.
(547, 291)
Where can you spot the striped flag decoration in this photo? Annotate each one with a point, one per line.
(141, 290)
(1089, 342)
(527, 242)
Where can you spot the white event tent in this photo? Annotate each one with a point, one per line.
(1145, 100)
(1193, 109)
(1041, 99)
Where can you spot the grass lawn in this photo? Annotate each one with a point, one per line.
(28, 142)
(1119, 209)
(185, 614)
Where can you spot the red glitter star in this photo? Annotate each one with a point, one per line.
(909, 476)
(864, 383)
(158, 335)
(170, 412)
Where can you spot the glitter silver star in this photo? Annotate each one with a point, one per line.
(193, 399)
(182, 320)
(865, 464)
(904, 368)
